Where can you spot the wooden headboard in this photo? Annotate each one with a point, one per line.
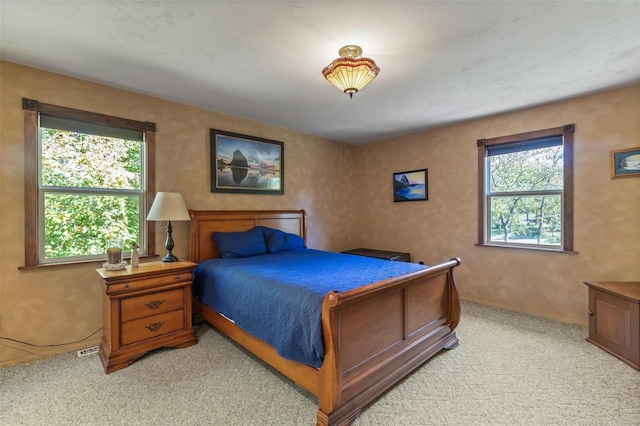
(204, 222)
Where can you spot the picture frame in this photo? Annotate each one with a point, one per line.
(412, 185)
(625, 163)
(245, 164)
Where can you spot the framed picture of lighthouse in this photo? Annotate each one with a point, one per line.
(246, 164)
(411, 186)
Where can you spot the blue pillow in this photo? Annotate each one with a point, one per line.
(279, 241)
(234, 245)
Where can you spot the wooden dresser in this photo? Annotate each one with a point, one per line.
(614, 319)
(145, 308)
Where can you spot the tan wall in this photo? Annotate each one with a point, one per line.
(56, 305)
(607, 211)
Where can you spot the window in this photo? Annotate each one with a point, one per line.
(88, 179)
(526, 190)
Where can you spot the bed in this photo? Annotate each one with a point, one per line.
(373, 335)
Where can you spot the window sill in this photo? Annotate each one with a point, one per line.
(77, 262)
(546, 249)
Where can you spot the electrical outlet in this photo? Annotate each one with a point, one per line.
(88, 351)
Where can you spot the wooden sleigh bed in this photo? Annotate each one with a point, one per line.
(373, 335)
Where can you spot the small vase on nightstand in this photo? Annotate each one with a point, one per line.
(135, 256)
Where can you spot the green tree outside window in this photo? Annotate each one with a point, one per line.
(525, 196)
(92, 192)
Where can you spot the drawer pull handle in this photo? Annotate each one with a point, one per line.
(177, 277)
(590, 313)
(154, 304)
(154, 326)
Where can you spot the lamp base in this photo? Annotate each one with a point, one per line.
(169, 258)
(169, 245)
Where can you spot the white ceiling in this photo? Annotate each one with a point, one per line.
(441, 61)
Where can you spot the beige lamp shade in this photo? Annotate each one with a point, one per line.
(168, 206)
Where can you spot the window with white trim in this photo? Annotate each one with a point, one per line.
(90, 182)
(526, 190)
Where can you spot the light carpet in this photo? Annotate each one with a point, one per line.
(510, 369)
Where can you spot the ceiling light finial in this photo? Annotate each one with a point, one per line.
(351, 72)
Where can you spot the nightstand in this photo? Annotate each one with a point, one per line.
(144, 308)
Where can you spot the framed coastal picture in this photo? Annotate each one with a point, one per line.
(246, 164)
(625, 163)
(411, 186)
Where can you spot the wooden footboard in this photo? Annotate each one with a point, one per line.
(373, 335)
(377, 334)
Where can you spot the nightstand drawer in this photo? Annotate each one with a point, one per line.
(156, 281)
(151, 304)
(153, 326)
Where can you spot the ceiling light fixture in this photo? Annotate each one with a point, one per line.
(351, 72)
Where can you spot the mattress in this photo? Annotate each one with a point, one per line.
(278, 297)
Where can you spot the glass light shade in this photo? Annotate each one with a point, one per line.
(351, 73)
(168, 206)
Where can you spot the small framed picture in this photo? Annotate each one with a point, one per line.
(246, 164)
(411, 186)
(625, 163)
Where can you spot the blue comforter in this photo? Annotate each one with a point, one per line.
(278, 297)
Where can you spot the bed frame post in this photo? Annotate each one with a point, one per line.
(330, 380)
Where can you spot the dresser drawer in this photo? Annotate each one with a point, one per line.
(150, 327)
(150, 282)
(151, 304)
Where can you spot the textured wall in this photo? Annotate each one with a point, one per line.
(348, 197)
(607, 211)
(55, 305)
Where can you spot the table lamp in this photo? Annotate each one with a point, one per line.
(168, 206)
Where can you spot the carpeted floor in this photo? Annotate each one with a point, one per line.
(510, 369)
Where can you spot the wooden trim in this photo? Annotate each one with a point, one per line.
(482, 155)
(77, 262)
(32, 108)
(567, 208)
(523, 137)
(30, 104)
(526, 247)
(567, 132)
(150, 140)
(92, 117)
(30, 184)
